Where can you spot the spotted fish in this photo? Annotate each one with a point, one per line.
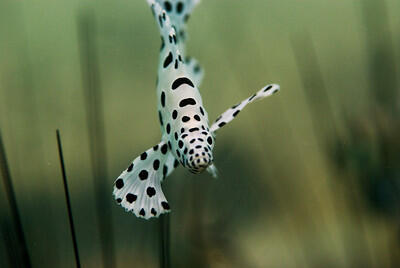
(187, 139)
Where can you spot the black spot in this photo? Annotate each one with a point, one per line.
(236, 113)
(165, 205)
(206, 149)
(143, 174)
(169, 145)
(221, 124)
(174, 37)
(219, 118)
(150, 191)
(198, 146)
(179, 7)
(167, 60)
(191, 151)
(184, 136)
(174, 114)
(153, 212)
(165, 170)
(185, 151)
(176, 163)
(209, 140)
(160, 21)
(178, 153)
(186, 18)
(119, 200)
(162, 43)
(168, 128)
(163, 99)
(180, 81)
(267, 88)
(182, 130)
(192, 140)
(131, 198)
(160, 117)
(196, 69)
(236, 105)
(143, 156)
(164, 149)
(168, 6)
(142, 212)
(188, 101)
(194, 129)
(119, 183)
(185, 118)
(179, 57)
(252, 97)
(180, 144)
(276, 90)
(200, 139)
(176, 64)
(155, 148)
(176, 136)
(156, 164)
(130, 167)
(204, 133)
(163, 16)
(201, 111)
(170, 39)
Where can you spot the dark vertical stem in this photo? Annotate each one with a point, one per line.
(66, 191)
(10, 246)
(10, 194)
(323, 120)
(95, 120)
(165, 261)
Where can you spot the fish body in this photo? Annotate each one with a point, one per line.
(187, 138)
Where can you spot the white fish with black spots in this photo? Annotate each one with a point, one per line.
(187, 139)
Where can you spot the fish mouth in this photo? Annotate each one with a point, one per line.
(199, 164)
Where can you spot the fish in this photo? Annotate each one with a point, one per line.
(187, 139)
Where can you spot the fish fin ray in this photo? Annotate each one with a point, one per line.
(138, 188)
(232, 112)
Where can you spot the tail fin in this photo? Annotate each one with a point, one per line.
(178, 12)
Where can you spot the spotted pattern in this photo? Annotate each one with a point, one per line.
(182, 81)
(187, 101)
(187, 138)
(168, 60)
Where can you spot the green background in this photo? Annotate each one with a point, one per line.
(282, 199)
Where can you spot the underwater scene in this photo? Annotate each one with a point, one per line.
(200, 133)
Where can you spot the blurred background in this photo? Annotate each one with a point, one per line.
(307, 178)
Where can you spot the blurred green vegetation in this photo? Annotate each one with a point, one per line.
(291, 192)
